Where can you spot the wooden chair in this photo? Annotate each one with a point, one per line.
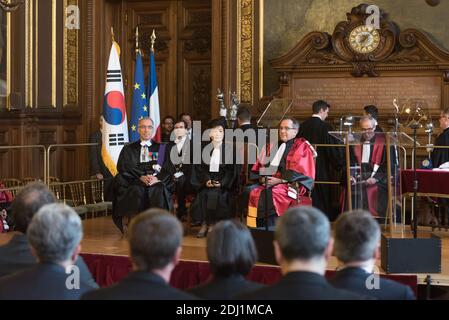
(97, 193)
(244, 150)
(29, 180)
(13, 186)
(78, 199)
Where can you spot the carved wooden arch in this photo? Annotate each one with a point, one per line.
(320, 55)
(414, 51)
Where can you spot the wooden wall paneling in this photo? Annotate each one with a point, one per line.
(160, 16)
(195, 53)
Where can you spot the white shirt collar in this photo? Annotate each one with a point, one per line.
(146, 143)
(182, 140)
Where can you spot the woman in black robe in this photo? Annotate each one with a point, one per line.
(215, 181)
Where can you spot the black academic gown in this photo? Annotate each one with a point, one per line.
(214, 204)
(131, 196)
(329, 161)
(181, 162)
(97, 165)
(441, 156)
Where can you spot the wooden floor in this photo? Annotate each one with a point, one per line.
(102, 237)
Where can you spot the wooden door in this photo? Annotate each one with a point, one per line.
(182, 52)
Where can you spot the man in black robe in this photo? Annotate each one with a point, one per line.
(373, 112)
(97, 166)
(143, 180)
(180, 153)
(316, 131)
(441, 156)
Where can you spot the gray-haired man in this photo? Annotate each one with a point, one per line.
(54, 234)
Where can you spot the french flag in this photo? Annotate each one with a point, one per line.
(153, 94)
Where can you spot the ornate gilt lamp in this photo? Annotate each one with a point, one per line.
(9, 6)
(230, 113)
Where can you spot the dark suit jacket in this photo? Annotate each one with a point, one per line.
(353, 279)
(225, 288)
(96, 160)
(139, 286)
(44, 281)
(16, 256)
(301, 286)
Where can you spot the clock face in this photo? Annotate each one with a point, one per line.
(364, 39)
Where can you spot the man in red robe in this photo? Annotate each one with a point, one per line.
(370, 184)
(286, 177)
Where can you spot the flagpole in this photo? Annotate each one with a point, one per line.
(137, 40)
(153, 40)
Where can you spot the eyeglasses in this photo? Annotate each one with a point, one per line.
(286, 128)
(367, 129)
(180, 127)
(146, 127)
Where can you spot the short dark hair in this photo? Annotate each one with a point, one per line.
(180, 121)
(302, 233)
(294, 121)
(357, 235)
(154, 237)
(243, 114)
(28, 202)
(372, 111)
(231, 249)
(185, 114)
(445, 111)
(168, 117)
(217, 123)
(320, 105)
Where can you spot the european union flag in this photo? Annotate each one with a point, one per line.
(140, 100)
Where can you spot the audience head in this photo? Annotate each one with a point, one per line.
(444, 119)
(303, 234)
(167, 124)
(243, 115)
(28, 202)
(230, 249)
(288, 129)
(55, 233)
(155, 240)
(187, 119)
(321, 108)
(146, 129)
(357, 237)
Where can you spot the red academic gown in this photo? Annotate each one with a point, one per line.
(377, 154)
(300, 167)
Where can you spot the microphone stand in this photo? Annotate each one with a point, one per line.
(266, 179)
(415, 127)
